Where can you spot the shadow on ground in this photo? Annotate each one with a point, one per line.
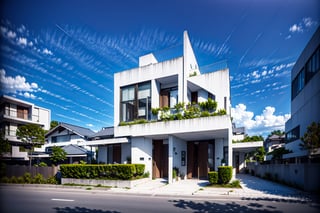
(225, 207)
(81, 210)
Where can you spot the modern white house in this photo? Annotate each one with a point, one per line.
(305, 98)
(15, 112)
(165, 140)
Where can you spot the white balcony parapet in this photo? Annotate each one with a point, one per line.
(175, 127)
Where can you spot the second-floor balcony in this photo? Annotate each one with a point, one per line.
(201, 128)
(19, 116)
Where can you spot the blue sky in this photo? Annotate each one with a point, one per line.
(62, 55)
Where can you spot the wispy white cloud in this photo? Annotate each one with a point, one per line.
(296, 28)
(67, 117)
(261, 124)
(22, 41)
(261, 73)
(305, 24)
(250, 47)
(47, 52)
(28, 95)
(16, 84)
(21, 29)
(11, 34)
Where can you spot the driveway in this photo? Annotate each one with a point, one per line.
(252, 187)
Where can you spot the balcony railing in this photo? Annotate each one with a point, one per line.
(19, 114)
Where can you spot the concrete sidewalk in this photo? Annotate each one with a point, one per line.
(252, 187)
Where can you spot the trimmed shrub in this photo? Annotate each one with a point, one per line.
(27, 177)
(51, 180)
(213, 177)
(5, 180)
(20, 179)
(139, 169)
(109, 171)
(224, 174)
(38, 179)
(236, 184)
(13, 179)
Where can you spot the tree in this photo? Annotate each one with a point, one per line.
(276, 132)
(311, 139)
(278, 153)
(252, 138)
(58, 155)
(4, 146)
(53, 124)
(259, 154)
(32, 135)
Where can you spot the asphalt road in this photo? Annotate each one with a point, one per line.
(45, 200)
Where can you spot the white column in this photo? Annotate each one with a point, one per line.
(230, 147)
(154, 94)
(218, 152)
(170, 158)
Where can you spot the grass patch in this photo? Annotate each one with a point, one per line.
(89, 186)
(100, 186)
(75, 184)
(233, 184)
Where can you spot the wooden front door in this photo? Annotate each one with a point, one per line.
(203, 159)
(160, 159)
(197, 160)
(117, 153)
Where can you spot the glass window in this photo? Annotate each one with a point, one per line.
(293, 134)
(144, 100)
(144, 90)
(298, 84)
(173, 98)
(60, 138)
(128, 93)
(133, 107)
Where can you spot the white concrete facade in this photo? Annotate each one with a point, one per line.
(15, 112)
(181, 78)
(305, 101)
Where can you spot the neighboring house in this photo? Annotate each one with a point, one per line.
(305, 98)
(75, 154)
(241, 149)
(194, 146)
(238, 133)
(65, 135)
(110, 149)
(14, 113)
(274, 142)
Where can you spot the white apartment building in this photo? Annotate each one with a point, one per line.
(15, 112)
(305, 97)
(194, 146)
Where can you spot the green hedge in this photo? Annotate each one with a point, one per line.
(213, 177)
(224, 174)
(28, 179)
(102, 171)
